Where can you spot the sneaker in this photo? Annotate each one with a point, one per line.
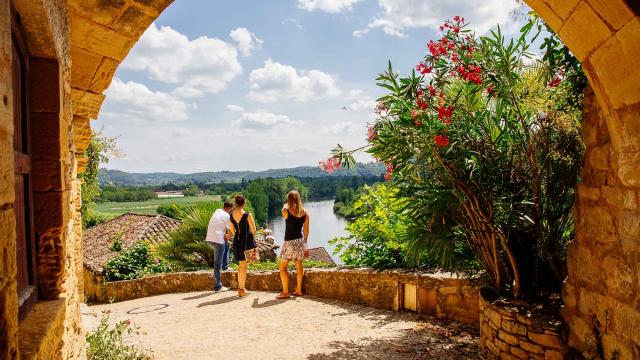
(223, 288)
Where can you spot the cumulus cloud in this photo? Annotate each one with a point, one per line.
(260, 120)
(359, 100)
(132, 101)
(275, 81)
(247, 41)
(398, 16)
(199, 66)
(329, 6)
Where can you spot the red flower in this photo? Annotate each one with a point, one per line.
(418, 123)
(491, 91)
(332, 164)
(441, 140)
(445, 113)
(555, 82)
(423, 68)
(387, 176)
(456, 18)
(371, 133)
(432, 90)
(127, 322)
(390, 168)
(414, 114)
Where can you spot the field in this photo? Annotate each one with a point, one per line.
(113, 209)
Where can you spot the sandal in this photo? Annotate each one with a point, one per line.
(242, 293)
(283, 296)
(298, 293)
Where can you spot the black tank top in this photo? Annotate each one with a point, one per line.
(293, 229)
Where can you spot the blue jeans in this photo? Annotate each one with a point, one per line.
(225, 256)
(218, 253)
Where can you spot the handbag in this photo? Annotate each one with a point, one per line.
(253, 254)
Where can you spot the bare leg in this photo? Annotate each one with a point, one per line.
(242, 275)
(299, 276)
(284, 276)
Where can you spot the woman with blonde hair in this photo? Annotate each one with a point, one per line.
(243, 230)
(295, 242)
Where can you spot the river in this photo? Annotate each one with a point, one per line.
(324, 225)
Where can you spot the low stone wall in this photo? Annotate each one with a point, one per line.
(511, 332)
(441, 294)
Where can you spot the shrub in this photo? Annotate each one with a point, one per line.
(273, 265)
(486, 146)
(134, 263)
(107, 342)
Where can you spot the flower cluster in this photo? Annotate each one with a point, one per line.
(424, 68)
(371, 133)
(381, 108)
(471, 73)
(332, 164)
(441, 140)
(389, 174)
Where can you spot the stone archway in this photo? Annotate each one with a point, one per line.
(604, 261)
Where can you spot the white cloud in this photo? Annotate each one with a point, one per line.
(235, 108)
(292, 21)
(398, 16)
(260, 120)
(360, 101)
(247, 41)
(199, 66)
(341, 128)
(329, 6)
(132, 101)
(275, 81)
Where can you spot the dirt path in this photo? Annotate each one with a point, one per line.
(203, 325)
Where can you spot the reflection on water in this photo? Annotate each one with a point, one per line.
(324, 225)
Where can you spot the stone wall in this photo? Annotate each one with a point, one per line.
(441, 295)
(514, 332)
(601, 292)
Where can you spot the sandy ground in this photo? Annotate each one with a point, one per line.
(204, 325)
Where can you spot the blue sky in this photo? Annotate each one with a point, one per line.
(254, 84)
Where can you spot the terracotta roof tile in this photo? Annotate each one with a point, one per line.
(130, 228)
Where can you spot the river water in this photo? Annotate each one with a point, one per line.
(324, 225)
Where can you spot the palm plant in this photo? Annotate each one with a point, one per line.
(186, 247)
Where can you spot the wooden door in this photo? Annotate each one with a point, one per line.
(23, 208)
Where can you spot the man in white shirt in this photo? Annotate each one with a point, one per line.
(217, 238)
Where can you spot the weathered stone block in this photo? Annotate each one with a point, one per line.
(599, 158)
(86, 103)
(519, 353)
(510, 339)
(545, 12)
(133, 22)
(514, 328)
(619, 82)
(7, 246)
(85, 65)
(589, 193)
(103, 76)
(100, 11)
(629, 228)
(9, 321)
(531, 347)
(48, 209)
(584, 31)
(501, 345)
(99, 39)
(553, 355)
(546, 340)
(157, 6)
(564, 8)
(81, 133)
(615, 12)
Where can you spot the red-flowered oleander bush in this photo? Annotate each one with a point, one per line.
(483, 140)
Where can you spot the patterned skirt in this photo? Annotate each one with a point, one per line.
(293, 250)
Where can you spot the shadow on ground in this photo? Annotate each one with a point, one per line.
(431, 339)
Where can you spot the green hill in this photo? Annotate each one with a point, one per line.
(121, 178)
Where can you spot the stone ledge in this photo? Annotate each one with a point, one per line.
(40, 333)
(511, 333)
(440, 294)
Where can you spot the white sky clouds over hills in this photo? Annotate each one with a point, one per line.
(272, 83)
(275, 81)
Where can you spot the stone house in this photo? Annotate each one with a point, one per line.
(57, 57)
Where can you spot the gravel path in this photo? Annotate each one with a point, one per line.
(204, 325)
